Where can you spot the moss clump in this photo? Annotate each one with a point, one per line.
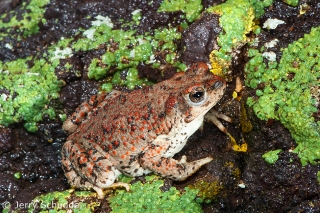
(28, 25)
(207, 191)
(292, 3)
(65, 201)
(131, 80)
(272, 156)
(259, 5)
(27, 92)
(287, 93)
(148, 197)
(125, 49)
(236, 20)
(192, 9)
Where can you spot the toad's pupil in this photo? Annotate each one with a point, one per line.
(198, 95)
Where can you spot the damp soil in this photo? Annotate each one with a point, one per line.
(285, 186)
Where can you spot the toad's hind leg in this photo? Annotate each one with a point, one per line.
(88, 171)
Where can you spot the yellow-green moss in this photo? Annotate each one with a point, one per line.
(207, 191)
(272, 156)
(192, 8)
(65, 201)
(28, 25)
(236, 21)
(28, 92)
(148, 197)
(287, 95)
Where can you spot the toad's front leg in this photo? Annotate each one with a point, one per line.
(153, 160)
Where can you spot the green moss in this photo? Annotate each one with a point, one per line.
(287, 94)
(236, 20)
(148, 197)
(65, 201)
(27, 92)
(17, 175)
(28, 25)
(318, 176)
(136, 16)
(125, 51)
(272, 156)
(259, 6)
(292, 3)
(192, 9)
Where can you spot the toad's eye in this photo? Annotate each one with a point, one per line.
(197, 95)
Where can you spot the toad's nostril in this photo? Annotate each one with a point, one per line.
(217, 85)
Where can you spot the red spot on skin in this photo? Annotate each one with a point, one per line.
(141, 129)
(127, 152)
(125, 143)
(83, 160)
(116, 143)
(123, 156)
(114, 152)
(145, 116)
(170, 103)
(133, 148)
(90, 151)
(110, 146)
(133, 127)
(94, 158)
(107, 128)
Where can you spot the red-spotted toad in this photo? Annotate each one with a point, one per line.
(139, 132)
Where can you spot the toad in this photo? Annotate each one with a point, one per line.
(138, 132)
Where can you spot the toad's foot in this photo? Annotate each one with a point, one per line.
(213, 116)
(101, 192)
